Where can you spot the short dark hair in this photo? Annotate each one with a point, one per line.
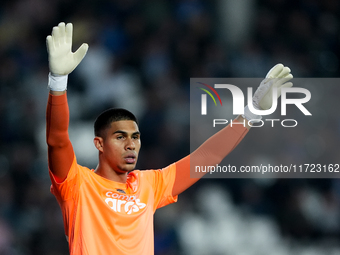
(105, 119)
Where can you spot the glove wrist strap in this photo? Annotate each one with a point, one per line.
(253, 118)
(57, 82)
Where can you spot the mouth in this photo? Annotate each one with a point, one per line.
(130, 158)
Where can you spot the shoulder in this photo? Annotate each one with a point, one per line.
(139, 175)
(154, 175)
(142, 176)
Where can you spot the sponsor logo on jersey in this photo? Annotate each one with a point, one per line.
(123, 203)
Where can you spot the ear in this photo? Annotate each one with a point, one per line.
(98, 142)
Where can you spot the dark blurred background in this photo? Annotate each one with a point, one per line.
(141, 57)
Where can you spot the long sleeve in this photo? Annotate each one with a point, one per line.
(60, 150)
(211, 152)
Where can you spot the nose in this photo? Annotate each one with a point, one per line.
(130, 144)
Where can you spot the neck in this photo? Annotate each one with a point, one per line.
(110, 174)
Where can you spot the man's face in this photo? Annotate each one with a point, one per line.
(121, 145)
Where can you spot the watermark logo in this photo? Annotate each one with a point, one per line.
(289, 143)
(204, 97)
(302, 96)
(238, 99)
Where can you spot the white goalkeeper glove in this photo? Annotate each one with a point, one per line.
(62, 60)
(277, 78)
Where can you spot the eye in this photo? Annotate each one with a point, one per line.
(119, 137)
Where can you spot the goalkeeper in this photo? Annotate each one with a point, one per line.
(109, 210)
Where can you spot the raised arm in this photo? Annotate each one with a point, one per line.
(218, 146)
(61, 62)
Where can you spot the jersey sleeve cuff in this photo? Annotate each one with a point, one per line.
(57, 100)
(239, 127)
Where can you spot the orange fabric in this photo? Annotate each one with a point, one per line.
(98, 219)
(60, 150)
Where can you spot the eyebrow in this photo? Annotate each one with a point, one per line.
(125, 133)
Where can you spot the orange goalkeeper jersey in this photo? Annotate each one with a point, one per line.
(103, 217)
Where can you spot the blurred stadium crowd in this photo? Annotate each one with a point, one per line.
(141, 57)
